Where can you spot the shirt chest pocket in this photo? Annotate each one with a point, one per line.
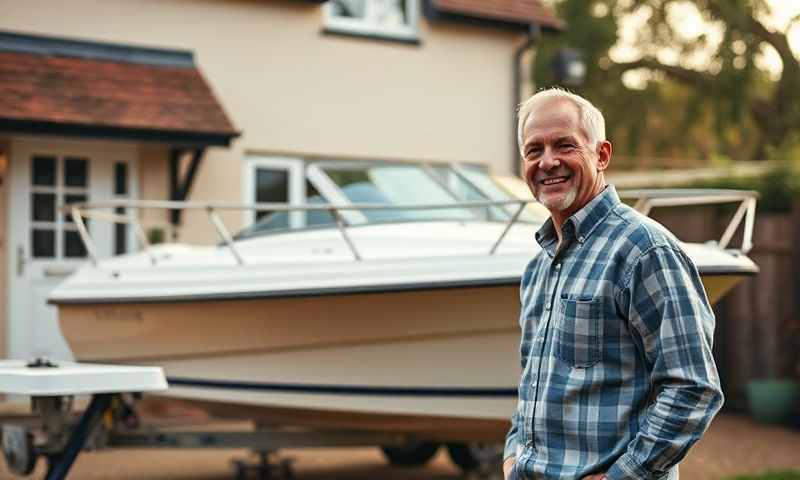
(578, 329)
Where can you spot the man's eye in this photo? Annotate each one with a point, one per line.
(566, 146)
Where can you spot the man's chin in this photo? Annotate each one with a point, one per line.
(557, 203)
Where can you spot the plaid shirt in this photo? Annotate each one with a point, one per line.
(617, 371)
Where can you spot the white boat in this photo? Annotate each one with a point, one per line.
(393, 307)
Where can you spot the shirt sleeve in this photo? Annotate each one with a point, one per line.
(512, 438)
(671, 320)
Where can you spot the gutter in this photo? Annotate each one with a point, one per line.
(534, 33)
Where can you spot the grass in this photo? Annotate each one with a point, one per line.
(787, 475)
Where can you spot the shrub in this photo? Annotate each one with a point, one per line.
(777, 189)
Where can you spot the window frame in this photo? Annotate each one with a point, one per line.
(360, 27)
(296, 186)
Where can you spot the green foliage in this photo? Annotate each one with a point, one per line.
(786, 475)
(777, 189)
(710, 98)
(155, 235)
(788, 150)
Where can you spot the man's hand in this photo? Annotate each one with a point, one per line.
(507, 466)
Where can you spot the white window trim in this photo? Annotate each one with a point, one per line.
(297, 185)
(361, 27)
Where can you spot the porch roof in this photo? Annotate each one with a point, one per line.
(515, 12)
(74, 88)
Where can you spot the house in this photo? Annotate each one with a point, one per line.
(227, 100)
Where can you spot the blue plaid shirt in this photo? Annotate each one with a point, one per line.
(617, 371)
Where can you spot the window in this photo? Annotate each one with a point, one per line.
(396, 19)
(120, 190)
(55, 182)
(272, 186)
(272, 180)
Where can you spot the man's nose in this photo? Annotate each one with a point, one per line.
(548, 161)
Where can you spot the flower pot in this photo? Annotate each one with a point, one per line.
(773, 400)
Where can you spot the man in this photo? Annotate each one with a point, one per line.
(618, 379)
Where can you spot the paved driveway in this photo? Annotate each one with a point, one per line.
(734, 444)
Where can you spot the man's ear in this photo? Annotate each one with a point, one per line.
(603, 155)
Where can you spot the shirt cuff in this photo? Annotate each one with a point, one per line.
(625, 468)
(512, 448)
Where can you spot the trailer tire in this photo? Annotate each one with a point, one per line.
(18, 450)
(410, 455)
(476, 456)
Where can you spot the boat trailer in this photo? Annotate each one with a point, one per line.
(57, 434)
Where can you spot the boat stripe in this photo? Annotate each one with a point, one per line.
(345, 389)
(349, 290)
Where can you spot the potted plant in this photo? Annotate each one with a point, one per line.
(777, 400)
(155, 235)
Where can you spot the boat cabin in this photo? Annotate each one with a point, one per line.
(376, 183)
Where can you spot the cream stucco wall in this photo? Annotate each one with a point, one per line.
(295, 91)
(153, 184)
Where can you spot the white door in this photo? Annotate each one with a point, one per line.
(43, 245)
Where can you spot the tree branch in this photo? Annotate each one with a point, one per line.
(683, 75)
(762, 110)
(750, 24)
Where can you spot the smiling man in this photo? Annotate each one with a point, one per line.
(618, 380)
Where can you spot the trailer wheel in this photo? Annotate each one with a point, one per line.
(411, 455)
(18, 449)
(476, 456)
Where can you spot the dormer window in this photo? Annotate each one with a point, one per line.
(393, 19)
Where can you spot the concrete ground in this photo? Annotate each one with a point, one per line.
(733, 445)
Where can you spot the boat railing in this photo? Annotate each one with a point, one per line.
(646, 200)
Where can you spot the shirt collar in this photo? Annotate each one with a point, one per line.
(582, 223)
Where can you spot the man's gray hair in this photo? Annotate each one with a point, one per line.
(592, 121)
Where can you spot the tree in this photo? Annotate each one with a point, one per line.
(697, 95)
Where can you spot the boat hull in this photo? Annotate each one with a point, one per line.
(435, 362)
(410, 361)
(188, 329)
(455, 387)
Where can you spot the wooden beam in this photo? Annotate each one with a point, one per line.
(179, 188)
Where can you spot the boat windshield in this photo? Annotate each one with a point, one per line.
(392, 184)
(395, 185)
(467, 191)
(472, 183)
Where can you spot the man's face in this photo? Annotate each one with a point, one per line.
(562, 170)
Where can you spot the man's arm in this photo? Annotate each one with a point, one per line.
(670, 318)
(512, 443)
(512, 438)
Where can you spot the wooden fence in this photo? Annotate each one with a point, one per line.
(754, 319)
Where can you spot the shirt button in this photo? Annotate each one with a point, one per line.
(581, 239)
(547, 307)
(558, 266)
